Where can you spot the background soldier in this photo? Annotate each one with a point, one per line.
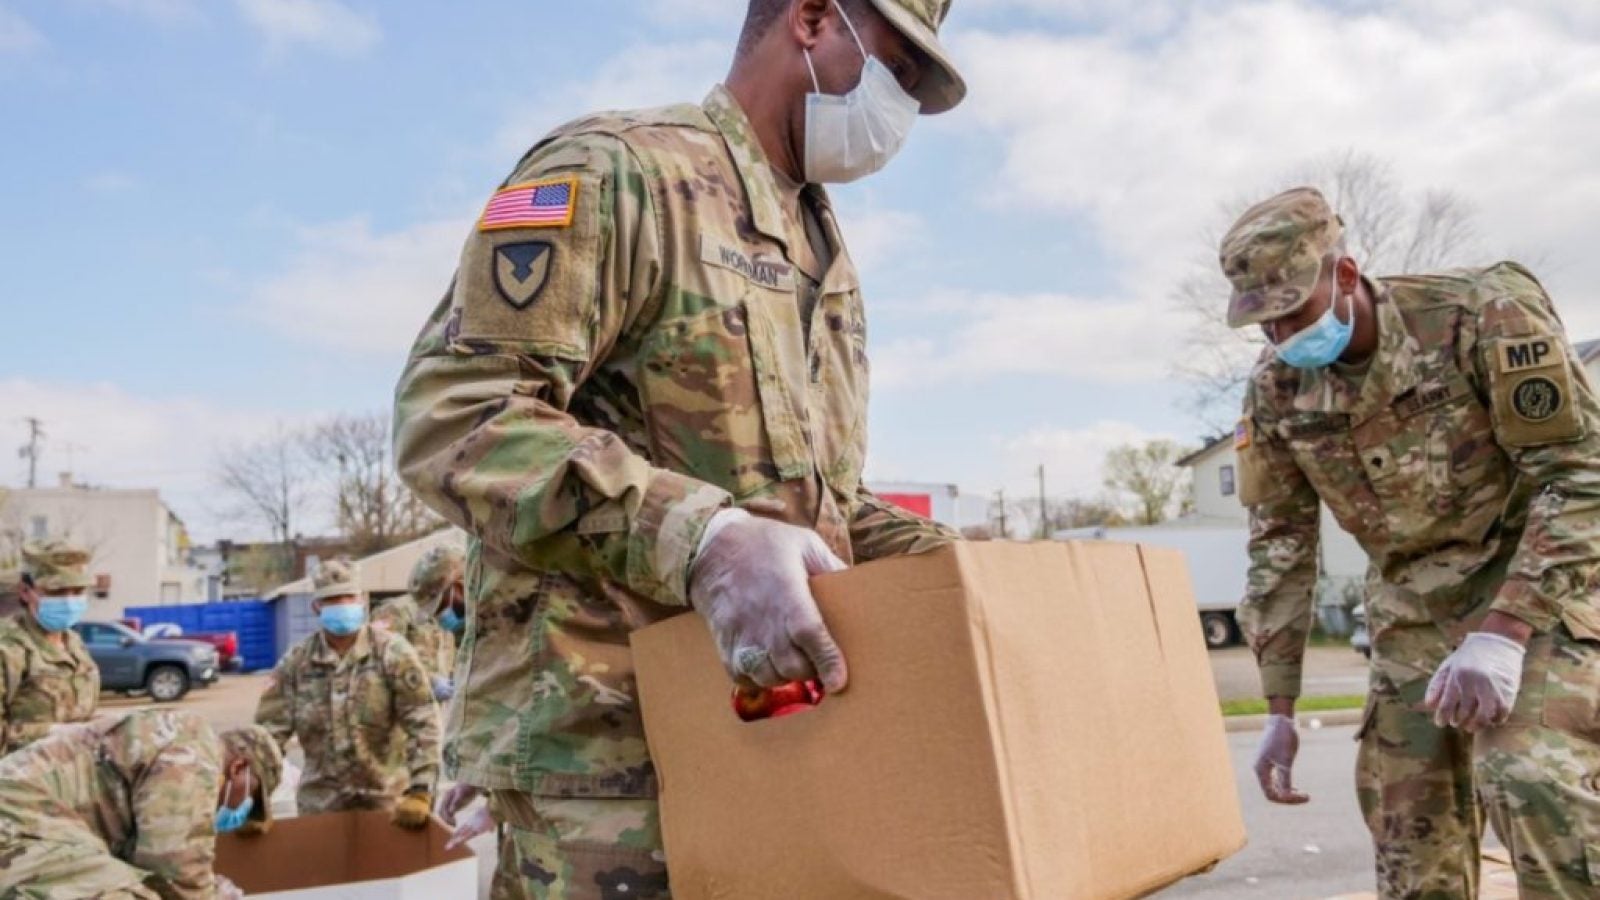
(1448, 425)
(656, 318)
(130, 807)
(358, 700)
(435, 579)
(46, 674)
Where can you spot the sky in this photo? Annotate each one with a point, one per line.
(224, 216)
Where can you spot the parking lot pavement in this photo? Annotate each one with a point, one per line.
(1329, 671)
(228, 703)
(1309, 852)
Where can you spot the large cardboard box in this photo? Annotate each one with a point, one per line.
(1029, 721)
(348, 856)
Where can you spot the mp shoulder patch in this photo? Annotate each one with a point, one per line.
(1534, 404)
(1524, 354)
(549, 203)
(521, 270)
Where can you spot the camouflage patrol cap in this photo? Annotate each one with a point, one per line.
(437, 570)
(256, 745)
(942, 86)
(336, 578)
(1273, 255)
(57, 565)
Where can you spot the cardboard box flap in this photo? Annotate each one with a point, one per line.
(338, 848)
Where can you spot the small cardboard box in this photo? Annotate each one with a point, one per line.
(347, 856)
(1027, 721)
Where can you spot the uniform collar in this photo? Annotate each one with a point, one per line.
(326, 655)
(755, 170)
(1395, 369)
(67, 649)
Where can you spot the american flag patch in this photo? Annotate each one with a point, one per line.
(534, 204)
(1241, 435)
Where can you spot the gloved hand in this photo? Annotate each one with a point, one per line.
(412, 811)
(749, 581)
(227, 890)
(254, 827)
(443, 688)
(1280, 743)
(473, 824)
(459, 797)
(1477, 686)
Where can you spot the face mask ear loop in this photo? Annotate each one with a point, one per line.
(815, 84)
(852, 26)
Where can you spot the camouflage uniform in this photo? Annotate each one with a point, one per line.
(435, 647)
(585, 398)
(366, 721)
(43, 683)
(1465, 458)
(120, 808)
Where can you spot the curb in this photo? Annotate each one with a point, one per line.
(1331, 718)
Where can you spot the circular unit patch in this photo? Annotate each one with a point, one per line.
(1536, 399)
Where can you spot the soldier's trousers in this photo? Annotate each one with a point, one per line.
(1425, 791)
(68, 870)
(554, 848)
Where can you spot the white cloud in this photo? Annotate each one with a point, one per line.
(108, 437)
(1073, 458)
(1144, 137)
(877, 237)
(322, 24)
(1101, 341)
(16, 35)
(642, 76)
(348, 288)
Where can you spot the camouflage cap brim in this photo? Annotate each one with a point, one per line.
(256, 745)
(336, 590)
(64, 581)
(941, 88)
(1264, 304)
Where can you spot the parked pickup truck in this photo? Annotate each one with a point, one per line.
(130, 662)
(225, 642)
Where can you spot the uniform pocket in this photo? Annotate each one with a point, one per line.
(1572, 686)
(707, 398)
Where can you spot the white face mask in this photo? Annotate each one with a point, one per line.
(851, 137)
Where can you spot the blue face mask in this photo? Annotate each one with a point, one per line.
(61, 613)
(1324, 341)
(232, 818)
(451, 622)
(343, 619)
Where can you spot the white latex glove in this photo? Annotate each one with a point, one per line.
(473, 824)
(459, 797)
(1280, 744)
(749, 581)
(443, 688)
(1477, 686)
(227, 890)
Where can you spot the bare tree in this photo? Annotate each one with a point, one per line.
(269, 483)
(373, 509)
(1150, 476)
(1388, 230)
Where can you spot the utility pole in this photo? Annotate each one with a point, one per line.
(1002, 503)
(30, 452)
(1044, 514)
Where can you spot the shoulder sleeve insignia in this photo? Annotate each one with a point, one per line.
(549, 203)
(1241, 435)
(1525, 354)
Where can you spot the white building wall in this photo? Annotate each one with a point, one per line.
(133, 538)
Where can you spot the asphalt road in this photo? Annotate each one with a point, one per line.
(1308, 852)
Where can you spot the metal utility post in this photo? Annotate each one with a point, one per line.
(1002, 502)
(1044, 514)
(30, 451)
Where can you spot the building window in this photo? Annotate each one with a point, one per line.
(40, 527)
(1226, 476)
